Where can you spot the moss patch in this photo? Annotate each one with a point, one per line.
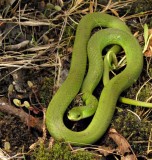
(60, 151)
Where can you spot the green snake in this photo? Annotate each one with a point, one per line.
(84, 46)
(110, 63)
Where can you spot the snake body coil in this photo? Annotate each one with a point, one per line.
(118, 33)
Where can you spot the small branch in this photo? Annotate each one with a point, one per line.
(29, 120)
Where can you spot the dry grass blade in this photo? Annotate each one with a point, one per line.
(33, 23)
(149, 149)
(138, 15)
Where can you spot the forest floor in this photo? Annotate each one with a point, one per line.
(36, 42)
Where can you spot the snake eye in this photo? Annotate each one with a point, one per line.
(78, 116)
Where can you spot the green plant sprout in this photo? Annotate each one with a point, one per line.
(18, 103)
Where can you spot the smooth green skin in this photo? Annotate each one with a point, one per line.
(73, 83)
(110, 63)
(108, 60)
(82, 112)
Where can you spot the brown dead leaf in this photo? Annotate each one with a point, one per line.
(129, 157)
(150, 31)
(124, 149)
(148, 52)
(123, 145)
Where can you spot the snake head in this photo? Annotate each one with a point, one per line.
(75, 114)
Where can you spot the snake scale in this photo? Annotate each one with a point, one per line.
(116, 33)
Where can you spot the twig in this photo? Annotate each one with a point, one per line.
(29, 120)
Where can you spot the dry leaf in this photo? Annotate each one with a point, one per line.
(123, 145)
(129, 157)
(148, 52)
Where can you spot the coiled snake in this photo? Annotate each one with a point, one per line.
(117, 33)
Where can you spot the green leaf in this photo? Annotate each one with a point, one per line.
(26, 104)
(17, 102)
(145, 33)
